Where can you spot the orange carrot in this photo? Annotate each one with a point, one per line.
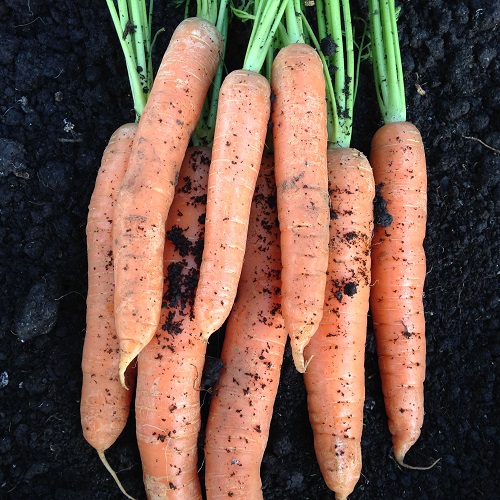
(300, 143)
(335, 376)
(240, 132)
(396, 300)
(105, 404)
(242, 404)
(398, 161)
(170, 366)
(171, 113)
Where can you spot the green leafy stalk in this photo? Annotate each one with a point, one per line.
(337, 53)
(132, 22)
(266, 20)
(386, 57)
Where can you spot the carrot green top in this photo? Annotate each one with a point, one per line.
(132, 23)
(266, 19)
(386, 58)
(336, 50)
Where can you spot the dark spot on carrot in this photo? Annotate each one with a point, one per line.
(351, 289)
(382, 216)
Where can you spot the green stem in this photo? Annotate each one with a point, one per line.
(133, 27)
(267, 19)
(335, 27)
(386, 57)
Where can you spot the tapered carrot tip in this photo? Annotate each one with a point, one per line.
(113, 473)
(129, 351)
(299, 341)
(400, 449)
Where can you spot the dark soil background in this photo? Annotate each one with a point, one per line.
(64, 90)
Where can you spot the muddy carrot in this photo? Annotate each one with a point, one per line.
(105, 404)
(398, 160)
(240, 133)
(167, 402)
(334, 378)
(300, 144)
(242, 403)
(170, 116)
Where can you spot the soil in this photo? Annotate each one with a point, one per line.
(65, 90)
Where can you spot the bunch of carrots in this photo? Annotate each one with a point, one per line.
(236, 200)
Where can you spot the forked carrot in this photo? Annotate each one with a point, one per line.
(240, 133)
(396, 300)
(334, 379)
(105, 404)
(300, 144)
(171, 114)
(169, 373)
(242, 404)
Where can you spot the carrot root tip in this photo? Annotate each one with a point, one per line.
(399, 459)
(113, 473)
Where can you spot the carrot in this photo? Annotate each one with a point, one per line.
(240, 131)
(105, 404)
(171, 113)
(334, 378)
(396, 300)
(398, 162)
(242, 403)
(169, 368)
(300, 144)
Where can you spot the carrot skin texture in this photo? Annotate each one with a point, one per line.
(173, 109)
(300, 146)
(242, 403)
(334, 378)
(240, 132)
(168, 396)
(105, 404)
(396, 301)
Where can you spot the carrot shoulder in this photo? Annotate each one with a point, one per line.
(105, 404)
(398, 161)
(300, 145)
(334, 378)
(242, 404)
(171, 113)
(240, 132)
(170, 366)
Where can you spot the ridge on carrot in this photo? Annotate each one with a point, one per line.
(172, 112)
(299, 132)
(105, 403)
(240, 130)
(396, 299)
(334, 378)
